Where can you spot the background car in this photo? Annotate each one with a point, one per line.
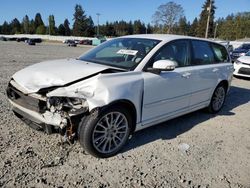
(31, 42)
(242, 66)
(241, 51)
(72, 43)
(85, 42)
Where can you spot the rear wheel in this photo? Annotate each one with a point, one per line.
(104, 133)
(218, 99)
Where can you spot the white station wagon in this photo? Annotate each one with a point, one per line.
(122, 86)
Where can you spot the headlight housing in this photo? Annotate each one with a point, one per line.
(238, 62)
(71, 105)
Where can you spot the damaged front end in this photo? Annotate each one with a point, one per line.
(51, 114)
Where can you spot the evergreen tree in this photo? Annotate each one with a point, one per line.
(6, 28)
(26, 24)
(193, 28)
(202, 25)
(52, 25)
(139, 28)
(61, 30)
(41, 30)
(66, 26)
(32, 28)
(149, 29)
(183, 26)
(80, 21)
(38, 20)
(15, 26)
(90, 30)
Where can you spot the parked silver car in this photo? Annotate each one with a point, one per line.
(122, 86)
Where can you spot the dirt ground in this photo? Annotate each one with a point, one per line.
(218, 153)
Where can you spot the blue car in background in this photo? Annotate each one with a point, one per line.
(241, 51)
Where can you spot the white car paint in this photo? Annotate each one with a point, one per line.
(242, 62)
(156, 98)
(55, 73)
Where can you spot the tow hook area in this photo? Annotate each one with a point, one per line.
(70, 133)
(63, 121)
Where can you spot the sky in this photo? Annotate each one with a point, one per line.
(110, 10)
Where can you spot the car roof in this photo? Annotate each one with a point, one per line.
(165, 37)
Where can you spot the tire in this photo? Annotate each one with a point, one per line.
(218, 99)
(103, 133)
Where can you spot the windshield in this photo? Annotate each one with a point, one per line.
(125, 53)
(248, 53)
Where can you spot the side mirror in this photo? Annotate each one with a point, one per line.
(164, 65)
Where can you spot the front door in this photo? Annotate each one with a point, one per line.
(168, 93)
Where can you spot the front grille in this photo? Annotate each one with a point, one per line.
(245, 71)
(25, 101)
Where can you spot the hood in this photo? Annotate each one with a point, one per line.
(55, 73)
(244, 59)
(240, 50)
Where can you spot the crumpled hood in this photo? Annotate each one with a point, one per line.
(54, 73)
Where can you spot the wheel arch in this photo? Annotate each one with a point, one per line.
(225, 83)
(128, 105)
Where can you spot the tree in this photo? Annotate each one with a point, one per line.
(80, 21)
(149, 29)
(15, 26)
(183, 26)
(234, 26)
(41, 30)
(52, 25)
(139, 28)
(26, 24)
(90, 30)
(32, 28)
(201, 30)
(66, 26)
(6, 28)
(61, 30)
(168, 15)
(38, 20)
(193, 28)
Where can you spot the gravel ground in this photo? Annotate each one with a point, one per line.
(218, 153)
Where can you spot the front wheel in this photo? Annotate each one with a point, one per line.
(217, 99)
(104, 133)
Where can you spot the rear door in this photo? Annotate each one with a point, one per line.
(205, 71)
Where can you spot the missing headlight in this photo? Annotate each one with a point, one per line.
(71, 105)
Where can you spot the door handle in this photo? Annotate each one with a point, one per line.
(186, 75)
(215, 70)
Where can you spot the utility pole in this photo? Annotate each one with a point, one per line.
(208, 18)
(215, 31)
(98, 15)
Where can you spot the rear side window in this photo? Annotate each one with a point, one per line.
(220, 52)
(202, 53)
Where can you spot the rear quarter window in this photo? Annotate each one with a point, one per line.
(220, 53)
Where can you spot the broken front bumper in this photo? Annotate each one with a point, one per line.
(48, 121)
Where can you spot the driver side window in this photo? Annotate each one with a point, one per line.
(177, 51)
